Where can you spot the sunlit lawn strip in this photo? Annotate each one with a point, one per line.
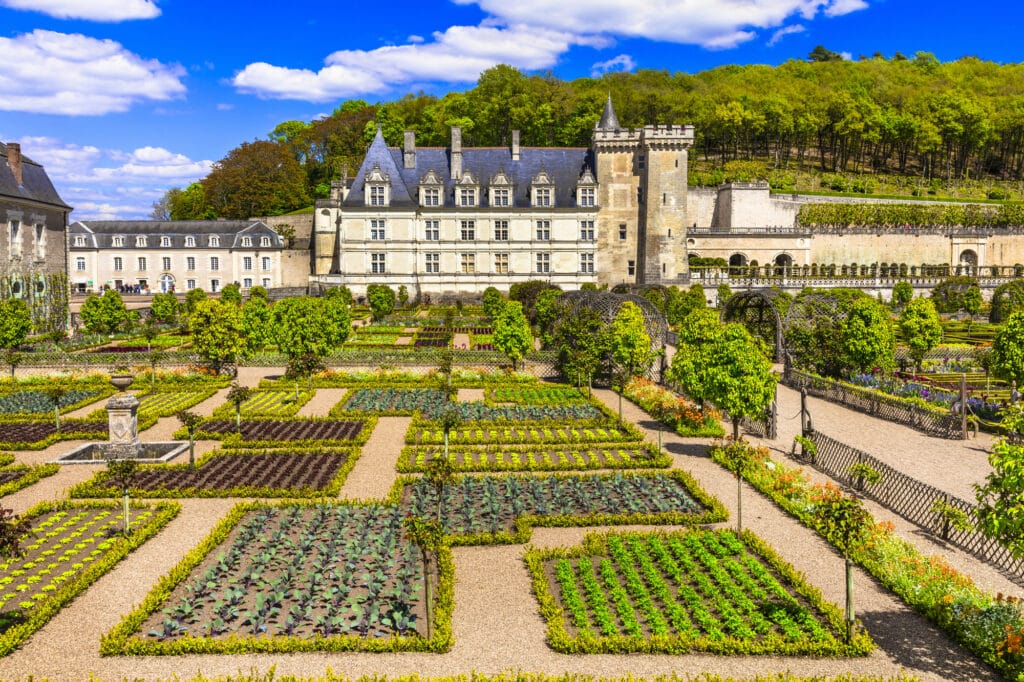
(73, 544)
(566, 457)
(280, 579)
(291, 472)
(694, 590)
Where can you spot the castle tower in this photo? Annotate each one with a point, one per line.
(642, 179)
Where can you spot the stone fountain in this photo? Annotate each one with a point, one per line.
(123, 429)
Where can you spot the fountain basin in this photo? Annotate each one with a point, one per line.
(143, 453)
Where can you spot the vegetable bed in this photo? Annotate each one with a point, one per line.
(37, 402)
(282, 430)
(35, 435)
(672, 593)
(394, 400)
(508, 434)
(267, 404)
(536, 395)
(534, 458)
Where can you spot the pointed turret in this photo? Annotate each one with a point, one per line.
(609, 121)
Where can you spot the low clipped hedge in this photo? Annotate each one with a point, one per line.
(122, 640)
(30, 476)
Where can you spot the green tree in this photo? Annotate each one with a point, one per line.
(583, 341)
(512, 333)
(845, 523)
(1008, 349)
(698, 332)
(630, 346)
(217, 332)
(191, 422)
(739, 377)
(104, 314)
(724, 294)
(237, 396)
(547, 309)
(1007, 299)
(192, 298)
(950, 294)
(1000, 510)
(259, 293)
(341, 294)
(306, 326)
(257, 325)
(738, 456)
(921, 328)
(164, 308)
(15, 322)
(902, 294)
(150, 330)
(403, 295)
(231, 293)
(188, 204)
(258, 178)
(493, 300)
(972, 300)
(382, 299)
(867, 336)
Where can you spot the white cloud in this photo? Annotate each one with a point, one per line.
(224, 106)
(458, 54)
(415, 38)
(91, 10)
(621, 63)
(73, 74)
(112, 183)
(783, 32)
(716, 25)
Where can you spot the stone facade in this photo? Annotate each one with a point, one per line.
(173, 255)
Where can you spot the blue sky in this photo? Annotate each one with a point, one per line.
(123, 99)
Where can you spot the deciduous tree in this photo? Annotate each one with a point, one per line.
(867, 336)
(104, 314)
(739, 378)
(512, 332)
(256, 179)
(217, 332)
(921, 327)
(15, 322)
(1008, 349)
(382, 300)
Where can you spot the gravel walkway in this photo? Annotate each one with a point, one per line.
(496, 624)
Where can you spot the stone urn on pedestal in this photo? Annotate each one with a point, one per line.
(123, 420)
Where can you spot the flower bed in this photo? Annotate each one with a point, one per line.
(923, 391)
(321, 431)
(237, 473)
(423, 432)
(495, 509)
(280, 403)
(673, 593)
(538, 458)
(294, 578)
(673, 410)
(71, 546)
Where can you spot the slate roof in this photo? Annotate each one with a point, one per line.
(35, 183)
(100, 233)
(564, 165)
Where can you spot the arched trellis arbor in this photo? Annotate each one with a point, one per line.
(813, 323)
(607, 305)
(758, 311)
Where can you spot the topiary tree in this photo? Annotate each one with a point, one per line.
(309, 327)
(341, 295)
(902, 294)
(381, 298)
(217, 332)
(257, 325)
(150, 330)
(1008, 349)
(403, 295)
(104, 314)
(493, 301)
(192, 298)
(512, 333)
(237, 396)
(698, 332)
(630, 346)
(739, 377)
(738, 456)
(12, 359)
(846, 524)
(15, 322)
(921, 328)
(191, 422)
(868, 339)
(55, 393)
(547, 309)
(259, 293)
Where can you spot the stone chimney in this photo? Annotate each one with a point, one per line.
(409, 153)
(14, 160)
(515, 145)
(456, 153)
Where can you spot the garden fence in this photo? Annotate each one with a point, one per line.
(911, 499)
(885, 407)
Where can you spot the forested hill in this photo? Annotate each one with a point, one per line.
(912, 117)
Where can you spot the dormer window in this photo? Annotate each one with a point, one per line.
(246, 242)
(586, 190)
(118, 241)
(165, 241)
(214, 240)
(542, 190)
(79, 241)
(467, 193)
(378, 185)
(264, 241)
(501, 190)
(431, 189)
(190, 241)
(140, 241)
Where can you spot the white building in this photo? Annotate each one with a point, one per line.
(173, 255)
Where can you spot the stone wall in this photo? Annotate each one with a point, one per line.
(296, 260)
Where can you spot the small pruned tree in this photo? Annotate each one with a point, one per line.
(12, 359)
(493, 300)
(738, 457)
(512, 333)
(237, 395)
(14, 530)
(15, 322)
(868, 340)
(121, 472)
(218, 334)
(441, 473)
(902, 294)
(382, 299)
(1000, 510)
(428, 536)
(56, 393)
(304, 367)
(403, 296)
(104, 314)
(845, 523)
(164, 308)
(1008, 350)
(921, 328)
(739, 377)
(191, 422)
(630, 346)
(583, 342)
(150, 330)
(231, 293)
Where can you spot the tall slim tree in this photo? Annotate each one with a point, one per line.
(512, 332)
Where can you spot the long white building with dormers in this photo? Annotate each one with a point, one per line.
(456, 220)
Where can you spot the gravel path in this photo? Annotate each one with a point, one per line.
(494, 604)
(322, 402)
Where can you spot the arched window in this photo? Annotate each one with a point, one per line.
(737, 260)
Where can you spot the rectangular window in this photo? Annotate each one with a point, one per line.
(377, 263)
(501, 263)
(247, 263)
(467, 230)
(266, 282)
(165, 241)
(587, 197)
(189, 241)
(214, 263)
(543, 262)
(166, 263)
(40, 242)
(140, 241)
(118, 263)
(467, 262)
(542, 196)
(431, 196)
(79, 241)
(467, 197)
(622, 231)
(214, 240)
(586, 262)
(641, 162)
(377, 195)
(247, 283)
(587, 230)
(544, 230)
(247, 242)
(118, 241)
(15, 238)
(501, 230)
(265, 262)
(80, 264)
(500, 197)
(433, 232)
(190, 284)
(214, 286)
(264, 241)
(142, 263)
(190, 263)
(377, 230)
(631, 268)
(433, 262)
